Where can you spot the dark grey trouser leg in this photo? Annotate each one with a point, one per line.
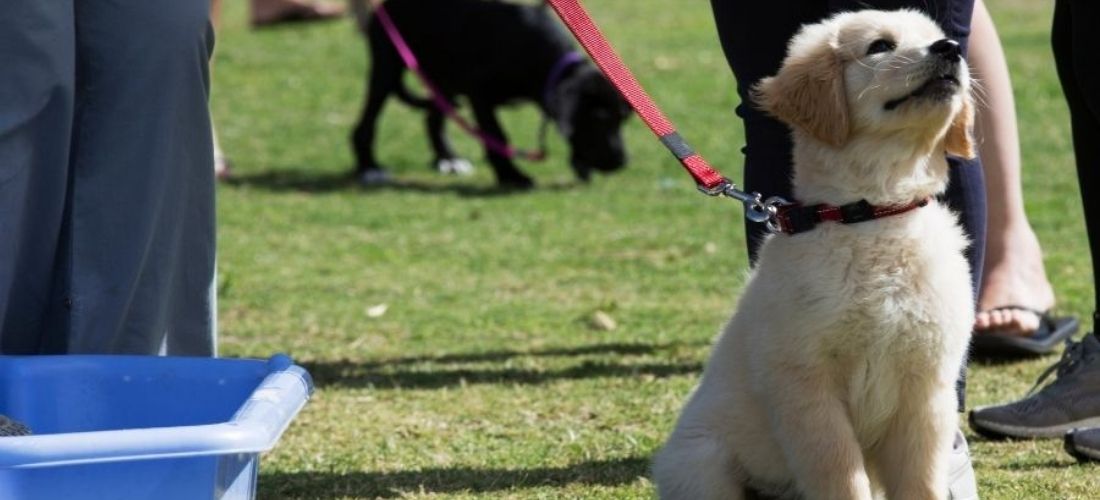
(36, 105)
(142, 218)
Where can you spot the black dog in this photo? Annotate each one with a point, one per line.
(493, 53)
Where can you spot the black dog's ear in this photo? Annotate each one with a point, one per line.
(600, 87)
(566, 100)
(604, 92)
(625, 108)
(589, 85)
(567, 108)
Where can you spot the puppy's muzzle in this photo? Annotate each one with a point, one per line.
(945, 81)
(947, 49)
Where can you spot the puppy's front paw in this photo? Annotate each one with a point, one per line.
(454, 166)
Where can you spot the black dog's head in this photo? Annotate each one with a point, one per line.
(590, 113)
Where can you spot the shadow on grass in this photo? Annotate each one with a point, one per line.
(300, 180)
(296, 180)
(1049, 464)
(301, 485)
(419, 373)
(349, 374)
(982, 359)
(620, 348)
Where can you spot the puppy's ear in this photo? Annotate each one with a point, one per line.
(960, 140)
(809, 93)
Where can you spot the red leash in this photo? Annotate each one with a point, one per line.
(780, 215)
(709, 180)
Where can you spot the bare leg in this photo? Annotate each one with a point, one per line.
(1013, 272)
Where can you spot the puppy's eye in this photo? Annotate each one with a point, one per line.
(881, 45)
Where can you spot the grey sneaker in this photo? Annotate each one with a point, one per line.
(1071, 401)
(1084, 444)
(960, 472)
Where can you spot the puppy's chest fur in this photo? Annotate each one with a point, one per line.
(875, 306)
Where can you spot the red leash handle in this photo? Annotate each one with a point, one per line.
(585, 30)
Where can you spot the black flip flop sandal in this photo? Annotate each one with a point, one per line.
(1052, 331)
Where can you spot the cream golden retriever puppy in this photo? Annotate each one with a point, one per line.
(835, 377)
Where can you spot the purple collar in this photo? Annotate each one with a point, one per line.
(566, 61)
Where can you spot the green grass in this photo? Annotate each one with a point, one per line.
(485, 376)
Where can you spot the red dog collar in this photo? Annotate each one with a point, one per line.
(794, 219)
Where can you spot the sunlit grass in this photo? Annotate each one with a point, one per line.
(486, 376)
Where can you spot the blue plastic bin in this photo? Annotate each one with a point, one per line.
(143, 427)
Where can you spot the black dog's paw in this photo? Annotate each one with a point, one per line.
(454, 166)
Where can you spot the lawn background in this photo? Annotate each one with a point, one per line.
(485, 376)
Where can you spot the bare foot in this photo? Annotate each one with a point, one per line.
(222, 167)
(1013, 275)
(221, 162)
(270, 12)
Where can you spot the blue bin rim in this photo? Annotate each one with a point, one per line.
(254, 428)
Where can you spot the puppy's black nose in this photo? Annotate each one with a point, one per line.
(946, 48)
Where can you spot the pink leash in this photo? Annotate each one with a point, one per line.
(495, 144)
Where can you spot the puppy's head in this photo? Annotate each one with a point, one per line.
(590, 114)
(873, 75)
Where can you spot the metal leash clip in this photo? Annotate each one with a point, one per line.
(757, 209)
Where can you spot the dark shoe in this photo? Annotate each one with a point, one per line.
(1071, 401)
(1084, 444)
(1051, 332)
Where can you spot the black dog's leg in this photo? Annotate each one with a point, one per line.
(385, 76)
(446, 161)
(368, 169)
(506, 172)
